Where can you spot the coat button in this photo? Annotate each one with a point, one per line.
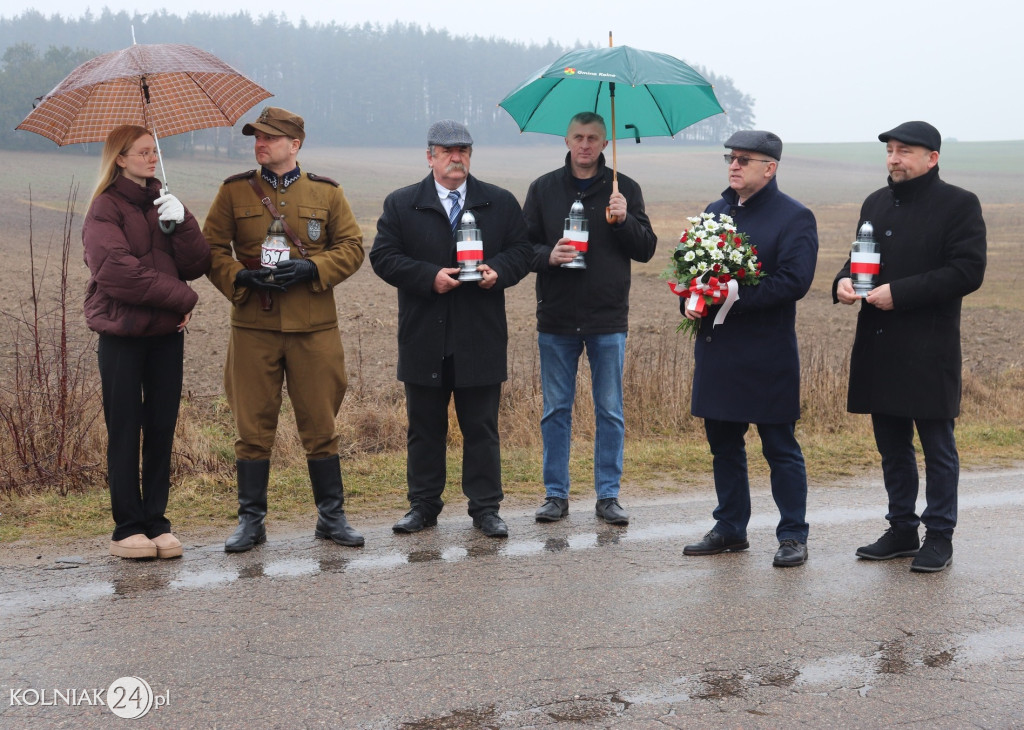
(434, 376)
(708, 338)
(888, 232)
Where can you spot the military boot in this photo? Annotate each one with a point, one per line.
(252, 506)
(325, 475)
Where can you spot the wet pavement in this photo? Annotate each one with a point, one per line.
(574, 623)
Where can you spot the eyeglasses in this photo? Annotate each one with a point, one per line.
(742, 159)
(150, 155)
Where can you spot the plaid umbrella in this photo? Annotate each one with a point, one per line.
(167, 88)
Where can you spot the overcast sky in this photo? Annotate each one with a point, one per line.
(817, 73)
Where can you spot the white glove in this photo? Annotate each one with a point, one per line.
(170, 208)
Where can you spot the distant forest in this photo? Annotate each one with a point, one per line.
(366, 85)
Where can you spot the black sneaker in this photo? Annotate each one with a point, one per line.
(553, 509)
(893, 544)
(936, 554)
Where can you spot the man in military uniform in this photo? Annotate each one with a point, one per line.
(284, 322)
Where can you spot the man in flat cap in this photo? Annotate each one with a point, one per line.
(747, 369)
(452, 333)
(584, 308)
(905, 365)
(284, 321)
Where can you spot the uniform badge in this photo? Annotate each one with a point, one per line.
(313, 229)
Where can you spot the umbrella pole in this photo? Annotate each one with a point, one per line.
(615, 162)
(165, 226)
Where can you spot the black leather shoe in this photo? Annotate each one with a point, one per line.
(414, 521)
(611, 511)
(791, 552)
(491, 525)
(713, 544)
(553, 509)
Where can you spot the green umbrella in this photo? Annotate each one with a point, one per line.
(656, 95)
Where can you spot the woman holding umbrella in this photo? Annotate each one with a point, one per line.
(138, 300)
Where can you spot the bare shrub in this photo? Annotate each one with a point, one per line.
(49, 400)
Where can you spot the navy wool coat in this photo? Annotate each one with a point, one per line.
(747, 369)
(907, 361)
(413, 242)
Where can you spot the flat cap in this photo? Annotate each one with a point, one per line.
(278, 122)
(756, 140)
(920, 134)
(449, 133)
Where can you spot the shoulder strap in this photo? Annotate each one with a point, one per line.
(240, 176)
(321, 178)
(277, 216)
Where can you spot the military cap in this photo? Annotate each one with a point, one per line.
(756, 140)
(919, 134)
(277, 121)
(449, 133)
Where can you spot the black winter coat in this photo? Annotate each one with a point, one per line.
(747, 369)
(594, 300)
(907, 361)
(414, 241)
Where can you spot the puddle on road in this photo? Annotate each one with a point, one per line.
(181, 577)
(203, 578)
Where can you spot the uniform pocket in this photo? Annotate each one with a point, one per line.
(250, 225)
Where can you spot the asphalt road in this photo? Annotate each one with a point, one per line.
(575, 624)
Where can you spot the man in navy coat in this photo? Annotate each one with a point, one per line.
(905, 367)
(747, 369)
(452, 335)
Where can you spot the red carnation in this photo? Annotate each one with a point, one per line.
(741, 273)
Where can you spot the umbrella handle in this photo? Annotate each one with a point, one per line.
(613, 219)
(165, 226)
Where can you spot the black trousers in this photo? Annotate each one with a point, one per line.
(141, 381)
(427, 440)
(894, 436)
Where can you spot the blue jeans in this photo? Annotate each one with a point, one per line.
(788, 477)
(894, 436)
(559, 361)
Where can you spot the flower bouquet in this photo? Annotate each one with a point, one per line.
(711, 261)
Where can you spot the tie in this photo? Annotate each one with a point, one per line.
(453, 214)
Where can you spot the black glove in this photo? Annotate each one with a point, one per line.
(294, 271)
(257, 279)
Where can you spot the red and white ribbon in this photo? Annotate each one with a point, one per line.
(721, 292)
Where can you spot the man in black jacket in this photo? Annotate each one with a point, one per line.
(452, 334)
(581, 308)
(906, 363)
